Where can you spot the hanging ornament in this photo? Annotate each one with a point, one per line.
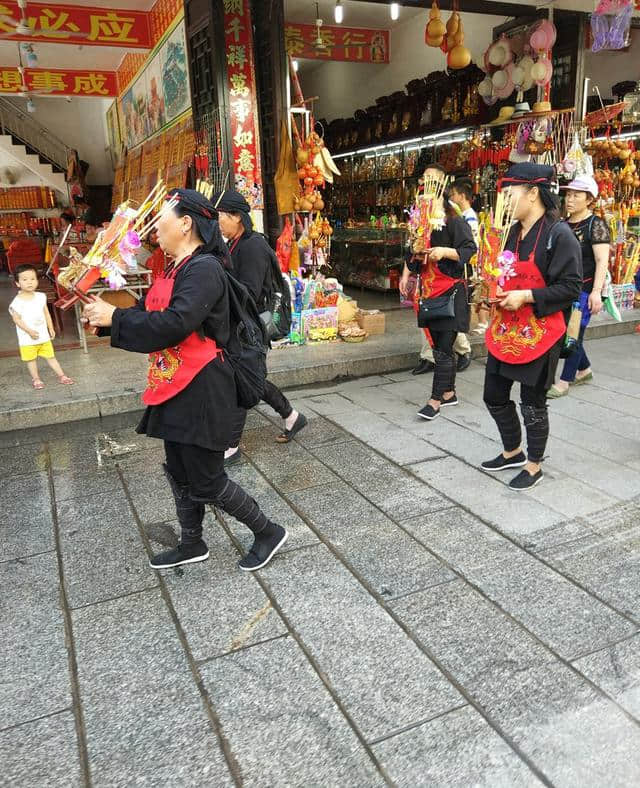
(459, 57)
(435, 30)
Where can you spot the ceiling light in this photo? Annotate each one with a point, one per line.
(395, 11)
(338, 13)
(296, 65)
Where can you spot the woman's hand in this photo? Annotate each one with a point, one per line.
(514, 300)
(437, 253)
(595, 303)
(404, 285)
(98, 313)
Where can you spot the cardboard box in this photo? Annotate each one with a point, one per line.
(371, 320)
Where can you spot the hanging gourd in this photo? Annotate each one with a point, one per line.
(453, 25)
(458, 57)
(435, 30)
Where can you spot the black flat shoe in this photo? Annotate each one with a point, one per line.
(182, 554)
(501, 463)
(451, 401)
(235, 459)
(464, 362)
(265, 546)
(428, 413)
(424, 366)
(299, 424)
(525, 481)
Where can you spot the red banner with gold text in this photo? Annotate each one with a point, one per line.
(350, 44)
(242, 101)
(59, 82)
(77, 24)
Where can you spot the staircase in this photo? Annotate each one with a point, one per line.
(29, 144)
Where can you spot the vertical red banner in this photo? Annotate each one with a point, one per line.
(243, 103)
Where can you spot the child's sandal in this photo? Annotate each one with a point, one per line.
(65, 380)
(38, 384)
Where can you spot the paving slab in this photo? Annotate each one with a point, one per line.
(383, 680)
(18, 460)
(35, 674)
(102, 553)
(231, 612)
(572, 734)
(271, 689)
(26, 521)
(374, 546)
(43, 752)
(486, 496)
(616, 670)
(458, 749)
(141, 738)
(398, 445)
(381, 481)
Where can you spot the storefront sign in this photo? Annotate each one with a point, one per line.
(352, 44)
(242, 101)
(58, 82)
(77, 24)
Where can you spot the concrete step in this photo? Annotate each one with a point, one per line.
(111, 382)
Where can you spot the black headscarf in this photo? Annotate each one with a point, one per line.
(231, 201)
(194, 204)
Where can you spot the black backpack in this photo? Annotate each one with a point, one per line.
(247, 346)
(279, 299)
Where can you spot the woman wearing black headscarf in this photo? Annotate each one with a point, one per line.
(528, 324)
(183, 323)
(251, 259)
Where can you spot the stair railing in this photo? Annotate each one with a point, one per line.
(25, 128)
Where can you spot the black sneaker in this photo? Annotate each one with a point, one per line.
(428, 413)
(182, 554)
(501, 463)
(451, 401)
(424, 366)
(464, 362)
(525, 481)
(265, 546)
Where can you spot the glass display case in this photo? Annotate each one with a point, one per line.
(369, 257)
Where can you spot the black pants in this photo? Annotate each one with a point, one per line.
(497, 393)
(197, 476)
(444, 374)
(273, 397)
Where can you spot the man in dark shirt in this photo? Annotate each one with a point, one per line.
(251, 258)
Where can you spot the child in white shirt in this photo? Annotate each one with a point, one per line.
(34, 326)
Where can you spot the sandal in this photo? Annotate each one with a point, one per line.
(65, 380)
(37, 384)
(299, 424)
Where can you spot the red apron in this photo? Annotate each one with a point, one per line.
(171, 370)
(433, 283)
(520, 337)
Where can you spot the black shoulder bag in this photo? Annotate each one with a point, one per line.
(438, 308)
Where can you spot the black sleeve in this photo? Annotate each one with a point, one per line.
(600, 233)
(197, 288)
(462, 241)
(106, 332)
(251, 264)
(563, 274)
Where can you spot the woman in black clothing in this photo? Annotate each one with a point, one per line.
(183, 323)
(528, 324)
(251, 259)
(594, 238)
(442, 273)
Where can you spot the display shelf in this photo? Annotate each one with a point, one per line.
(365, 256)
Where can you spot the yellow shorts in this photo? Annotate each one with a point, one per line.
(31, 352)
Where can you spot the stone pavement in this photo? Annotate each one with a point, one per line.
(425, 626)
